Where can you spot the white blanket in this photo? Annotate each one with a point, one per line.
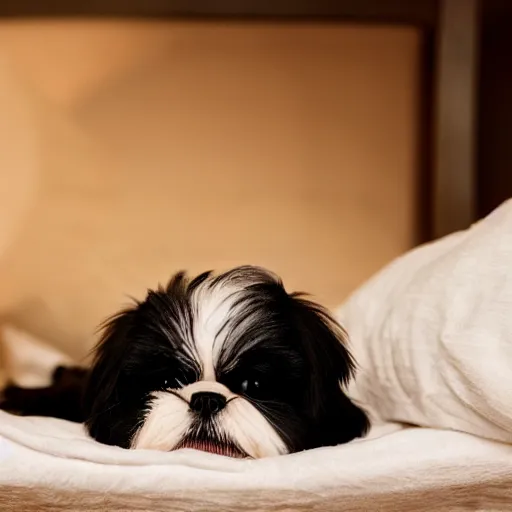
(49, 465)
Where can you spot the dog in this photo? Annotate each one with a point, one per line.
(230, 364)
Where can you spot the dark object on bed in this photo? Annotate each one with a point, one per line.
(62, 399)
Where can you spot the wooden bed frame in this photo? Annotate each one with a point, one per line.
(448, 114)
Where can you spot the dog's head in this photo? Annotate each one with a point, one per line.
(230, 364)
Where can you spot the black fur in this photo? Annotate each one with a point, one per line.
(62, 399)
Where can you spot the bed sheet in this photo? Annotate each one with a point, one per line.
(48, 464)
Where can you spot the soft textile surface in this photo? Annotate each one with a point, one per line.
(28, 362)
(432, 333)
(48, 464)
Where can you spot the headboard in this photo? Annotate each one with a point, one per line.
(446, 195)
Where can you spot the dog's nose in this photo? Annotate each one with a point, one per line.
(207, 403)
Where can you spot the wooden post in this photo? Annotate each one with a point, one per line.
(455, 117)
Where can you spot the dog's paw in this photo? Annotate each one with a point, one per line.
(12, 398)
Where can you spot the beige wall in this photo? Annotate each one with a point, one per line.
(155, 147)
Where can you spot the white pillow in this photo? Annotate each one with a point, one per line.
(432, 333)
(27, 360)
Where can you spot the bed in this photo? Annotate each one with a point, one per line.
(51, 465)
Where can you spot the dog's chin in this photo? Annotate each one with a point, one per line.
(224, 448)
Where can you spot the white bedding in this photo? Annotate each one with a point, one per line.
(48, 464)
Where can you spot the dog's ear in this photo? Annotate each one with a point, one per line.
(334, 418)
(100, 401)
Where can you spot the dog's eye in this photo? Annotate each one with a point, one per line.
(250, 386)
(173, 383)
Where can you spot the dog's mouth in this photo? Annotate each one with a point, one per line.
(227, 449)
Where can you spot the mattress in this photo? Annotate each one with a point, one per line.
(49, 464)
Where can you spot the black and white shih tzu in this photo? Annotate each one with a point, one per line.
(230, 364)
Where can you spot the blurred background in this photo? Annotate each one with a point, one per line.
(135, 143)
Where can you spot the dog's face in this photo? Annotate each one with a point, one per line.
(229, 364)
